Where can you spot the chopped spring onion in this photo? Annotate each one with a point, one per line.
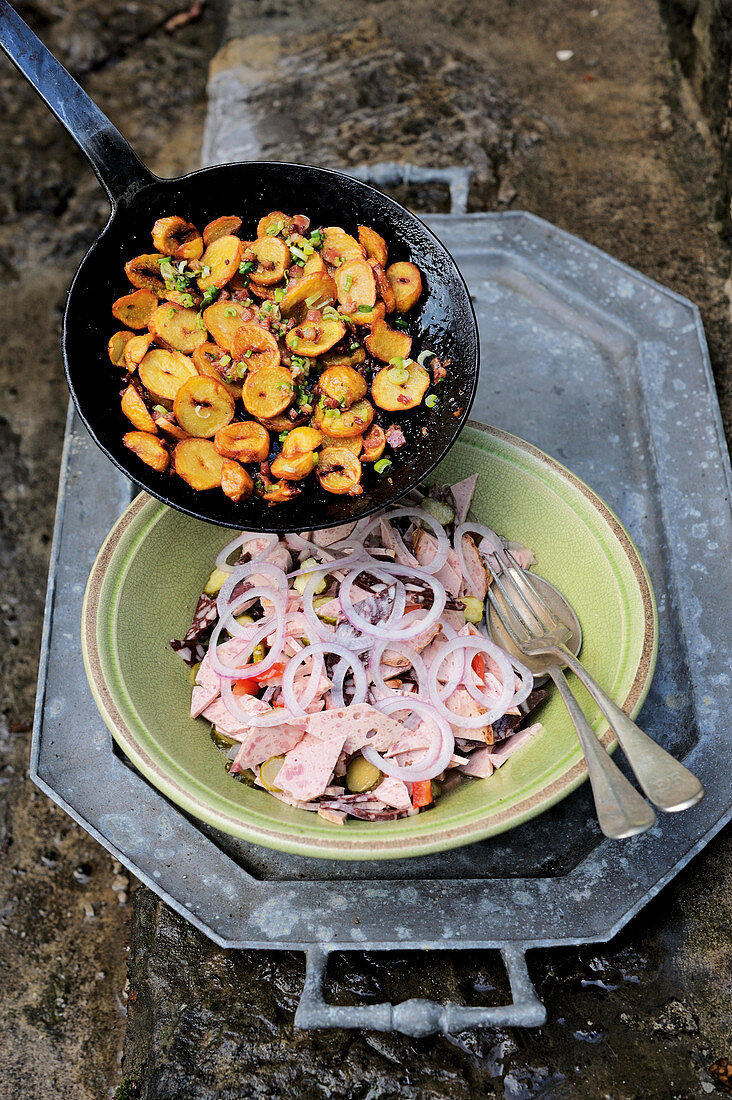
(424, 356)
(279, 294)
(224, 360)
(160, 409)
(365, 309)
(432, 401)
(275, 228)
(298, 253)
(398, 323)
(229, 312)
(383, 465)
(348, 282)
(398, 375)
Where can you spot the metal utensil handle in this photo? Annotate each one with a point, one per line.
(419, 1017)
(664, 779)
(118, 168)
(621, 812)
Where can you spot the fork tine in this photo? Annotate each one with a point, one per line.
(522, 581)
(509, 628)
(512, 603)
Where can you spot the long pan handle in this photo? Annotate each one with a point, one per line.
(119, 170)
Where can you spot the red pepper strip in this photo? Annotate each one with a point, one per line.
(421, 793)
(478, 666)
(245, 687)
(251, 685)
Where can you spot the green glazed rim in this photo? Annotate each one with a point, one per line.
(152, 567)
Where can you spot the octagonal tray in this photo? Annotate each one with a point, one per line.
(607, 371)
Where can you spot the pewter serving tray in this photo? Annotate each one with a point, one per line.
(608, 372)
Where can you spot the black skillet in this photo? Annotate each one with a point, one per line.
(443, 320)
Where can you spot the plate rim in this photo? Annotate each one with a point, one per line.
(338, 846)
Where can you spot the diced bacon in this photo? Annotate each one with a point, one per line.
(512, 744)
(479, 764)
(259, 744)
(308, 768)
(462, 495)
(395, 436)
(393, 792)
(360, 725)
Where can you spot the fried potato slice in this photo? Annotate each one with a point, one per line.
(209, 359)
(176, 237)
(178, 326)
(301, 440)
(221, 260)
(198, 462)
(384, 289)
(137, 412)
(280, 423)
(255, 346)
(387, 343)
(136, 309)
(337, 358)
(374, 443)
(293, 467)
(278, 492)
(116, 346)
(355, 285)
(136, 350)
(202, 406)
(312, 338)
(399, 388)
(235, 481)
(318, 288)
(371, 318)
(353, 443)
(150, 448)
(162, 373)
(275, 223)
(144, 272)
(272, 260)
(373, 244)
(339, 471)
(341, 424)
(406, 283)
(268, 391)
(243, 440)
(339, 246)
(344, 384)
(165, 423)
(222, 319)
(226, 226)
(315, 265)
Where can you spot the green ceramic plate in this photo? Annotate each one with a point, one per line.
(151, 569)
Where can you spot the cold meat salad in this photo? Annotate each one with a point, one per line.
(350, 672)
(254, 365)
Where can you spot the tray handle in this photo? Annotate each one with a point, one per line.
(387, 174)
(419, 1017)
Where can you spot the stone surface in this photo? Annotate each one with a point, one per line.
(606, 144)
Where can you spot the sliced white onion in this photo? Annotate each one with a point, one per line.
(221, 558)
(318, 650)
(377, 678)
(434, 760)
(443, 543)
(391, 633)
(499, 706)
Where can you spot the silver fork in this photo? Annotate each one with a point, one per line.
(536, 631)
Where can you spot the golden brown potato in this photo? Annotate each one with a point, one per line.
(220, 262)
(398, 388)
(136, 309)
(339, 246)
(384, 288)
(337, 358)
(318, 289)
(245, 441)
(373, 244)
(406, 283)
(274, 224)
(278, 492)
(116, 346)
(268, 391)
(339, 471)
(198, 462)
(301, 441)
(209, 359)
(387, 343)
(315, 265)
(312, 338)
(344, 384)
(222, 319)
(374, 443)
(355, 285)
(272, 259)
(352, 443)
(150, 448)
(255, 347)
(221, 227)
(144, 273)
(235, 481)
(202, 406)
(165, 423)
(293, 467)
(136, 350)
(137, 412)
(280, 423)
(178, 327)
(373, 317)
(340, 424)
(162, 373)
(171, 235)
